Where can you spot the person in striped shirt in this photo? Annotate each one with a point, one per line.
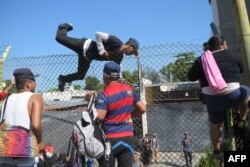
(116, 105)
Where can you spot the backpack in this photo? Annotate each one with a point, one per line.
(88, 135)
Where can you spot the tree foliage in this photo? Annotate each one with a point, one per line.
(151, 75)
(131, 77)
(77, 87)
(13, 89)
(53, 90)
(178, 70)
(93, 83)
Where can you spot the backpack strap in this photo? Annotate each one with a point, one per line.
(91, 106)
(3, 111)
(91, 103)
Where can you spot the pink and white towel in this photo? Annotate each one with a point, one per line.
(212, 72)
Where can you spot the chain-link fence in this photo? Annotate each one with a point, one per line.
(173, 105)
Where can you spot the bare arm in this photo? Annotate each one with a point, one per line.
(101, 113)
(35, 108)
(140, 108)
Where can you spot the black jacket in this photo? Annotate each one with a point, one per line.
(229, 65)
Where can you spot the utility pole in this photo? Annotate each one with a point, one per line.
(2, 60)
(242, 26)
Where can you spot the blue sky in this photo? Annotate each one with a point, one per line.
(30, 25)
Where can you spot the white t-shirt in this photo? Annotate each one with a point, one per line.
(16, 112)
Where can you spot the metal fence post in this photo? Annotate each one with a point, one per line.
(143, 97)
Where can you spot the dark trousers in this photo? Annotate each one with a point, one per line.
(188, 158)
(122, 151)
(76, 45)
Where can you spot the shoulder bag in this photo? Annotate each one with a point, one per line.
(16, 141)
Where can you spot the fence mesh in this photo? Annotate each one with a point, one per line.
(173, 105)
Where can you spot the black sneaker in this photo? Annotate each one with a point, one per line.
(68, 26)
(61, 83)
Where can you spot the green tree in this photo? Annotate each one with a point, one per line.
(53, 90)
(12, 90)
(131, 77)
(168, 72)
(93, 83)
(151, 74)
(77, 87)
(178, 70)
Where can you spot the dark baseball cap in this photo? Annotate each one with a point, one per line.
(135, 43)
(112, 69)
(24, 73)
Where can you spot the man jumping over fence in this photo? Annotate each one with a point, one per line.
(106, 47)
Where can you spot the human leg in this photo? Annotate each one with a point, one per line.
(156, 155)
(74, 44)
(186, 158)
(190, 158)
(244, 99)
(107, 162)
(216, 135)
(153, 155)
(244, 109)
(83, 66)
(125, 159)
(217, 115)
(123, 150)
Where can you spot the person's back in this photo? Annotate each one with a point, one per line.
(23, 110)
(115, 105)
(17, 106)
(229, 65)
(119, 110)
